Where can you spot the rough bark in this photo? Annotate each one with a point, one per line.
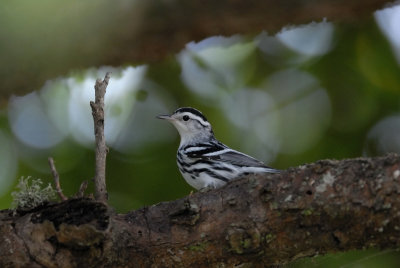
(257, 220)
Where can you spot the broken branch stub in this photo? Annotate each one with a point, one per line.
(101, 148)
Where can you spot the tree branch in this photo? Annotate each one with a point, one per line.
(262, 220)
(82, 189)
(56, 178)
(101, 148)
(148, 31)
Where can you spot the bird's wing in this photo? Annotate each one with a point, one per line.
(235, 158)
(220, 152)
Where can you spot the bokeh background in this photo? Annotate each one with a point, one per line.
(317, 91)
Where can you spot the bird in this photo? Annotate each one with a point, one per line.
(204, 162)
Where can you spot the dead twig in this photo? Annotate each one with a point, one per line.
(82, 189)
(101, 148)
(56, 179)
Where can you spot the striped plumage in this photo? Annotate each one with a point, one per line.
(204, 161)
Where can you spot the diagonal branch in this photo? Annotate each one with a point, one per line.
(101, 148)
(256, 221)
(56, 178)
(82, 189)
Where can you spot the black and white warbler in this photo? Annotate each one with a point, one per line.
(204, 161)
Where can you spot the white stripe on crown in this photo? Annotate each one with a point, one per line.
(198, 118)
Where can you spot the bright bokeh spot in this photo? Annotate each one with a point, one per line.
(254, 112)
(383, 137)
(304, 109)
(388, 20)
(30, 122)
(313, 39)
(119, 103)
(142, 127)
(217, 65)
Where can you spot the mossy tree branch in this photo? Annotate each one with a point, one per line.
(263, 220)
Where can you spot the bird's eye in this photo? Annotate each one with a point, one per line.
(185, 118)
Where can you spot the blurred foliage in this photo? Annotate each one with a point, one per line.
(359, 74)
(36, 35)
(270, 96)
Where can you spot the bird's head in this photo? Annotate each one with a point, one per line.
(191, 124)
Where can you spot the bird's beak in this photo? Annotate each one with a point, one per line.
(164, 116)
